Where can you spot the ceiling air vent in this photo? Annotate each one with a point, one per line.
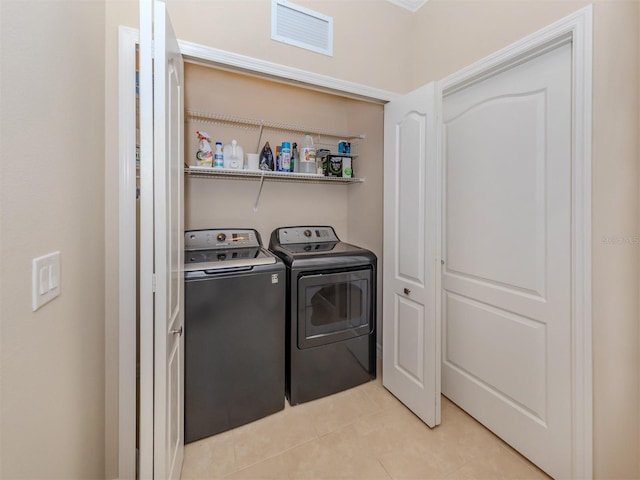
(301, 27)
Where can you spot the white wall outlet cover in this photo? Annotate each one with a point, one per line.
(45, 278)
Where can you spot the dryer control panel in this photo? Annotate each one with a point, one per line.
(291, 235)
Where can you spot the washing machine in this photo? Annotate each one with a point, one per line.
(234, 331)
(331, 312)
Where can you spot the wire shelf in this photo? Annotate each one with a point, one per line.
(208, 172)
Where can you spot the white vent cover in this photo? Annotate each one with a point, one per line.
(301, 27)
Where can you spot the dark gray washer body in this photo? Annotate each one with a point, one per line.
(234, 348)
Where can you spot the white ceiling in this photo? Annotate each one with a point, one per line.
(412, 5)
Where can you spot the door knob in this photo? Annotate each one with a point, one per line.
(407, 291)
(177, 331)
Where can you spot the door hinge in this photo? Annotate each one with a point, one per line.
(153, 283)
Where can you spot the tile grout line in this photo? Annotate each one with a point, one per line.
(383, 467)
(527, 463)
(282, 452)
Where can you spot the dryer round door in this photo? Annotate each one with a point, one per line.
(334, 306)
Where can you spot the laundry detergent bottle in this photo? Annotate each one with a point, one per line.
(233, 156)
(204, 156)
(307, 160)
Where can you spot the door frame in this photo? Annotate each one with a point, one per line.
(128, 39)
(577, 29)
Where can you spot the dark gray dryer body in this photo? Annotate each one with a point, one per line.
(331, 312)
(234, 331)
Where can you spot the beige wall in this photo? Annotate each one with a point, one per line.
(370, 41)
(615, 214)
(52, 184)
(451, 35)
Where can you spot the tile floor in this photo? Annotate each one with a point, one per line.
(362, 433)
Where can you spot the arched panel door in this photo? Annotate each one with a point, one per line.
(411, 318)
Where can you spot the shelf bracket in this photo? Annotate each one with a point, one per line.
(255, 205)
(260, 137)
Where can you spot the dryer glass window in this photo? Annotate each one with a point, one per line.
(333, 307)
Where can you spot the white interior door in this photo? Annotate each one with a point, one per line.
(162, 286)
(411, 317)
(506, 298)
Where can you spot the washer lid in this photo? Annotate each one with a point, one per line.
(220, 259)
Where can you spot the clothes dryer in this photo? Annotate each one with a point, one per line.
(331, 311)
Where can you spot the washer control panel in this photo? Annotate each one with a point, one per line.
(220, 239)
(291, 235)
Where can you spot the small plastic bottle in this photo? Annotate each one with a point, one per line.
(307, 160)
(285, 157)
(218, 157)
(278, 164)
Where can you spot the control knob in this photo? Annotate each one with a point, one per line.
(308, 233)
(221, 237)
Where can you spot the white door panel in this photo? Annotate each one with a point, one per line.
(506, 245)
(169, 249)
(502, 350)
(411, 320)
(145, 409)
(174, 260)
(410, 134)
(162, 206)
(498, 173)
(409, 335)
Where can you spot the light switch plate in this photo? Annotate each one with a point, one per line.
(45, 279)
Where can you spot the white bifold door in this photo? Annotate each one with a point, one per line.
(411, 317)
(506, 279)
(161, 246)
(477, 253)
